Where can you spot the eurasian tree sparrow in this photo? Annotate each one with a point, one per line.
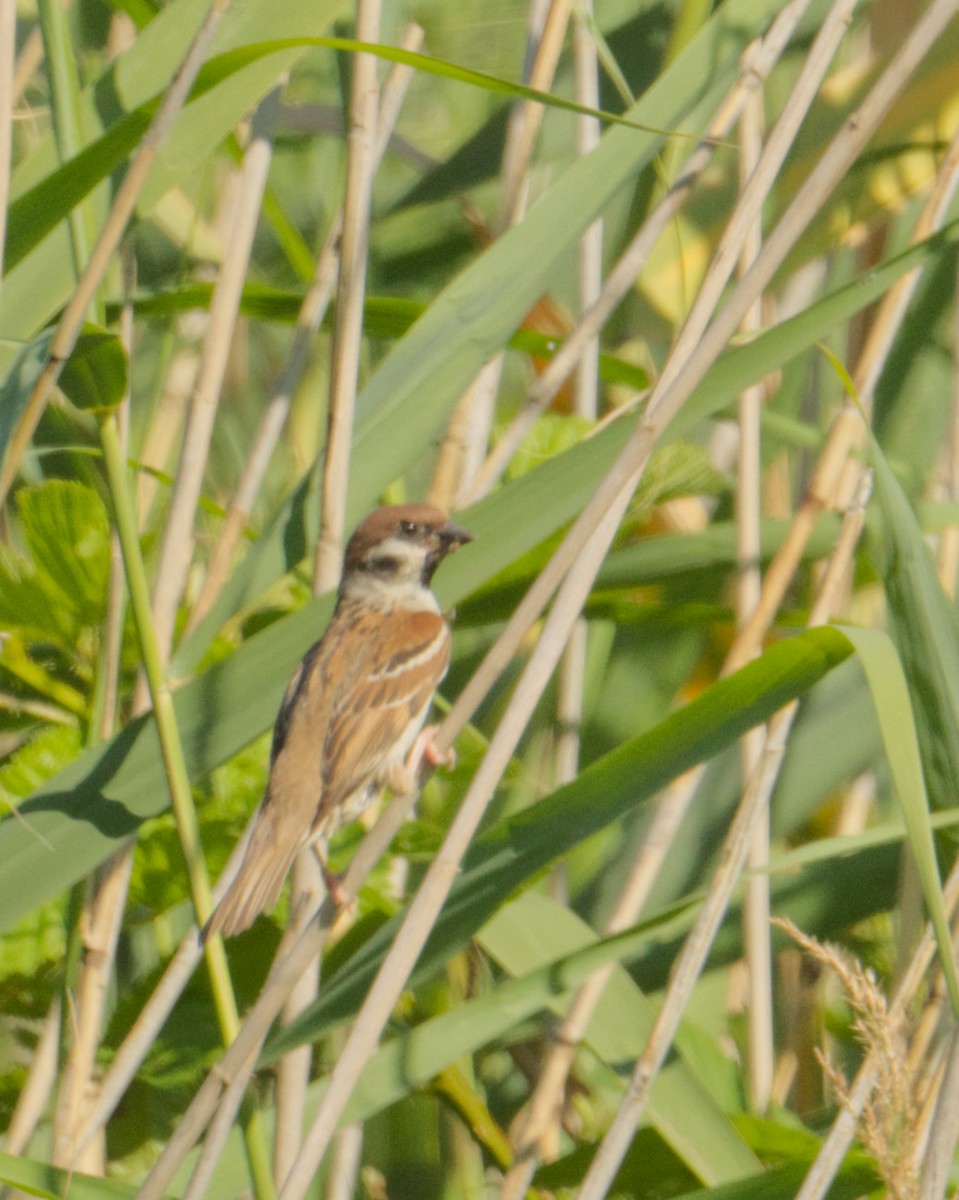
(354, 710)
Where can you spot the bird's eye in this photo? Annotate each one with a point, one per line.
(409, 527)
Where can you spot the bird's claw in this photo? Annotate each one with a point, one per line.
(424, 750)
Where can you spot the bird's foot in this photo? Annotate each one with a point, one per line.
(334, 885)
(401, 777)
(332, 880)
(424, 750)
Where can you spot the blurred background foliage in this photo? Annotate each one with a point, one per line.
(448, 288)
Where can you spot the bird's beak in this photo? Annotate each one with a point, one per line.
(453, 536)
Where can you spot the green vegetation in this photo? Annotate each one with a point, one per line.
(593, 959)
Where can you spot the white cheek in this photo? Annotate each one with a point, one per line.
(410, 556)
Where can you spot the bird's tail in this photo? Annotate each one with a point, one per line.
(256, 888)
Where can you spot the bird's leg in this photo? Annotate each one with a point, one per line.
(424, 750)
(332, 879)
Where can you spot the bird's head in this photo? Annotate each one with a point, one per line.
(396, 550)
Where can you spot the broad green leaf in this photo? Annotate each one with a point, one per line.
(94, 377)
(925, 629)
(791, 1155)
(67, 533)
(857, 1179)
(890, 693)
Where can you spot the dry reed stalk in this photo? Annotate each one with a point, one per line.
(27, 63)
(588, 132)
(572, 668)
(311, 314)
(345, 1164)
(166, 420)
(351, 289)
(100, 922)
(756, 944)
(688, 966)
(71, 320)
(937, 1160)
(35, 1094)
(527, 116)
(151, 1018)
(176, 548)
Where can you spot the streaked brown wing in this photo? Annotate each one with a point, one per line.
(374, 710)
(295, 693)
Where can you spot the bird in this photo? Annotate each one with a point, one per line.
(351, 721)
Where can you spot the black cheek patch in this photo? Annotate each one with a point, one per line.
(386, 565)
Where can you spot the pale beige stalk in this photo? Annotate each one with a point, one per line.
(152, 1017)
(166, 418)
(99, 932)
(756, 943)
(588, 131)
(34, 1098)
(527, 116)
(572, 668)
(944, 1133)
